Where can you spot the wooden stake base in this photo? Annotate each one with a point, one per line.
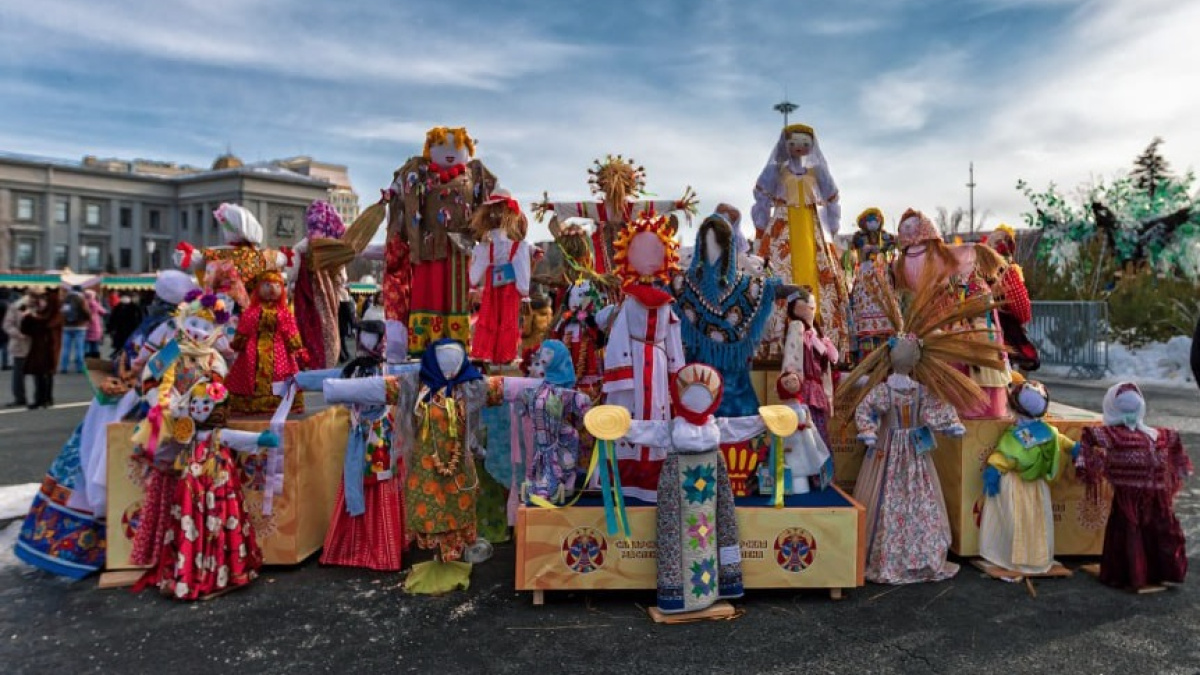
(1056, 571)
(120, 579)
(1093, 569)
(719, 611)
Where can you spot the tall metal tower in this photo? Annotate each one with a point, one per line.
(785, 107)
(971, 188)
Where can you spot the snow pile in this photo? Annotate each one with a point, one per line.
(8, 539)
(1159, 363)
(15, 499)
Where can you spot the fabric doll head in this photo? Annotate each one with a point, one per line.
(916, 228)
(270, 289)
(448, 147)
(583, 297)
(870, 220)
(696, 392)
(1003, 240)
(323, 222)
(646, 250)
(1029, 398)
(553, 363)
(200, 407)
(1125, 406)
(200, 320)
(499, 212)
(445, 365)
(238, 225)
(714, 250)
(172, 286)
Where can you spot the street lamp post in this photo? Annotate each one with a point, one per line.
(785, 108)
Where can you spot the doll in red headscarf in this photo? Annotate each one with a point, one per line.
(269, 349)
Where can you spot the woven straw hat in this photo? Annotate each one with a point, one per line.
(607, 422)
(780, 419)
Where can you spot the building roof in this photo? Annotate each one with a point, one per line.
(153, 171)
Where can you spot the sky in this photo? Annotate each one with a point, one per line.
(903, 94)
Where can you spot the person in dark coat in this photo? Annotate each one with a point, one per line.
(1196, 354)
(42, 325)
(124, 318)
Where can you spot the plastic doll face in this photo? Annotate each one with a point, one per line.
(198, 329)
(712, 250)
(805, 310)
(270, 291)
(646, 253)
(448, 153)
(799, 144)
(200, 408)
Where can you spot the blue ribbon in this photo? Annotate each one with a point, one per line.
(352, 468)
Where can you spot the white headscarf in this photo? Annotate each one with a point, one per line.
(238, 224)
(172, 286)
(770, 185)
(1124, 406)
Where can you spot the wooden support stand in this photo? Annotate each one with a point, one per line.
(1056, 571)
(719, 611)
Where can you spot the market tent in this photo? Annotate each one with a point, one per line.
(364, 289)
(135, 282)
(49, 280)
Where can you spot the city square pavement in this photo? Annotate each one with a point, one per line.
(311, 619)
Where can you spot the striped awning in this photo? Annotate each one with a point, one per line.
(30, 280)
(135, 282)
(364, 289)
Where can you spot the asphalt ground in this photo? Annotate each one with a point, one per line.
(311, 619)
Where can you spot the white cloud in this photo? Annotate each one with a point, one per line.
(903, 100)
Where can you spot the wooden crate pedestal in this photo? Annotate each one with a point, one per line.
(828, 528)
(313, 447)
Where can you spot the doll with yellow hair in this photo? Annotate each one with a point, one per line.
(873, 249)
(500, 270)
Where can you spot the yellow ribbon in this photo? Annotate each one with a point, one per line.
(778, 442)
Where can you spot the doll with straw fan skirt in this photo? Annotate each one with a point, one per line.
(901, 393)
(1016, 531)
(500, 271)
(1144, 543)
(796, 213)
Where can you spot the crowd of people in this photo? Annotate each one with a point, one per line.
(48, 332)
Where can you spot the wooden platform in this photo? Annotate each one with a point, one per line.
(719, 611)
(1056, 571)
(1093, 569)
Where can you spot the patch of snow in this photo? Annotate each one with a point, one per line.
(1162, 363)
(16, 499)
(8, 539)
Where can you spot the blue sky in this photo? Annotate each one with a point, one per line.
(903, 93)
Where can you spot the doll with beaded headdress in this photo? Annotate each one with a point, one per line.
(619, 183)
(960, 273)
(269, 349)
(873, 249)
(900, 394)
(645, 346)
(796, 214)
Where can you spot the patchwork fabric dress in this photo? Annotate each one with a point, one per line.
(872, 286)
(1017, 527)
(908, 531)
(269, 350)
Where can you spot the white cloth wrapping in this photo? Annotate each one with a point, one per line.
(500, 246)
(91, 493)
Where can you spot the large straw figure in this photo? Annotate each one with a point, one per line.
(911, 389)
